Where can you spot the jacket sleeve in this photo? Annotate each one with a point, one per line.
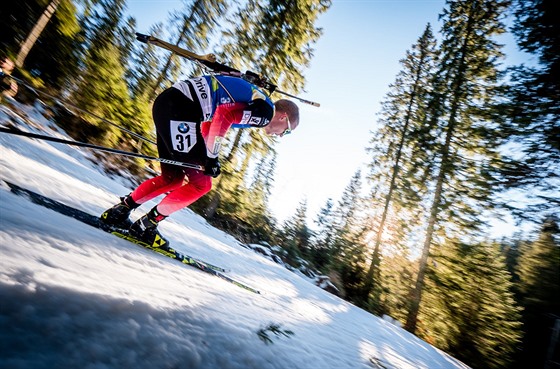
(215, 130)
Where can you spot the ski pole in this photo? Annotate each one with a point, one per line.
(64, 103)
(100, 148)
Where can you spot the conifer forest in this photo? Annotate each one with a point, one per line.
(460, 139)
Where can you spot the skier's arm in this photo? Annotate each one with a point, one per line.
(214, 131)
(255, 113)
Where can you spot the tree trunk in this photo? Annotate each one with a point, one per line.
(373, 274)
(457, 97)
(36, 32)
(412, 316)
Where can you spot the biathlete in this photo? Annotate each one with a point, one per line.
(191, 119)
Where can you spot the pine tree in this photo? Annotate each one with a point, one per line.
(350, 246)
(349, 211)
(402, 120)
(143, 73)
(16, 21)
(195, 25)
(397, 271)
(126, 42)
(297, 235)
(53, 59)
(323, 242)
(257, 212)
(274, 39)
(467, 152)
(36, 32)
(534, 109)
(511, 249)
(539, 284)
(470, 310)
(101, 88)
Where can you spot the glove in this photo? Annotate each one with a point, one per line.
(212, 167)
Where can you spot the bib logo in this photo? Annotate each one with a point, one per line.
(183, 128)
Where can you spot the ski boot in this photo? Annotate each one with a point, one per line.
(145, 230)
(117, 216)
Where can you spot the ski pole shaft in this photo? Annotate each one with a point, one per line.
(65, 103)
(100, 148)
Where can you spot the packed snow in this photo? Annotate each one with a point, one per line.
(73, 296)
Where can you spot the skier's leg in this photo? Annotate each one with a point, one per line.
(171, 178)
(119, 213)
(178, 138)
(145, 228)
(198, 185)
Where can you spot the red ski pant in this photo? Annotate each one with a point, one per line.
(173, 105)
(171, 181)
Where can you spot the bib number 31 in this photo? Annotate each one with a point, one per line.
(183, 135)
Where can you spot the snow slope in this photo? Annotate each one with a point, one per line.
(72, 296)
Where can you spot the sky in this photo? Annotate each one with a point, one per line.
(74, 296)
(354, 62)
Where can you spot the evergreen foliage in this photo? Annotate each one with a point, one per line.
(534, 109)
(436, 164)
(466, 137)
(259, 191)
(196, 23)
(395, 151)
(350, 246)
(469, 308)
(144, 67)
(53, 58)
(538, 268)
(274, 39)
(101, 88)
(397, 273)
(322, 245)
(296, 235)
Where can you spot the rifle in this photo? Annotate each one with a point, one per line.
(209, 61)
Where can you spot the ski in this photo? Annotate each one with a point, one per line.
(94, 221)
(167, 251)
(185, 259)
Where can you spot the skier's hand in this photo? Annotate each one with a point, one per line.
(212, 167)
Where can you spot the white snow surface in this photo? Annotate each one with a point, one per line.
(72, 296)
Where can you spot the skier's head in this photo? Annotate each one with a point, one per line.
(285, 119)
